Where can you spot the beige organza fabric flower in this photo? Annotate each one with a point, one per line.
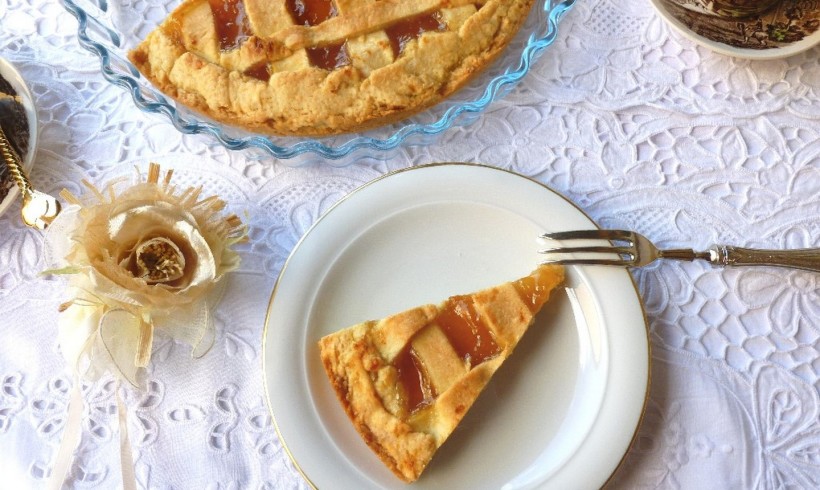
(143, 258)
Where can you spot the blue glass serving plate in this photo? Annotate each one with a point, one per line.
(110, 28)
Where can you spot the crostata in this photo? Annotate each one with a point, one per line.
(407, 380)
(320, 67)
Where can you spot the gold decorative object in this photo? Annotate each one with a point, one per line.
(39, 209)
(140, 258)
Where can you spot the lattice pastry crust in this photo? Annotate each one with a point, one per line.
(319, 67)
(407, 380)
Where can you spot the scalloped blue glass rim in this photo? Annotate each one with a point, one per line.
(126, 77)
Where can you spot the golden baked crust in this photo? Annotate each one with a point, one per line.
(407, 380)
(272, 74)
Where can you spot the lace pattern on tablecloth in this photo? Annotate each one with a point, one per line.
(638, 126)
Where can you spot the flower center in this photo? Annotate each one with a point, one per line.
(159, 260)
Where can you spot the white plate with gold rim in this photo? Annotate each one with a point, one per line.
(560, 413)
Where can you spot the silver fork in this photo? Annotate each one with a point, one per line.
(631, 249)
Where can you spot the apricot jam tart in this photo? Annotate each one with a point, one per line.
(407, 380)
(320, 67)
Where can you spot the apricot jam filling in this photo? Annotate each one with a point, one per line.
(417, 388)
(260, 71)
(466, 331)
(328, 57)
(310, 12)
(411, 28)
(534, 290)
(469, 337)
(231, 23)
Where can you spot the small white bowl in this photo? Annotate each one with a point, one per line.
(724, 35)
(10, 73)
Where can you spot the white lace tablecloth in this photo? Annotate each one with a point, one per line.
(639, 127)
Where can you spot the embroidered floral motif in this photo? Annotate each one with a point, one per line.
(787, 412)
(12, 399)
(219, 438)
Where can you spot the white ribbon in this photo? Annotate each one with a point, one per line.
(129, 479)
(105, 340)
(71, 438)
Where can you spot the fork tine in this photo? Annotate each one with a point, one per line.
(604, 249)
(589, 234)
(588, 262)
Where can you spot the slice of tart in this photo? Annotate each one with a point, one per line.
(407, 380)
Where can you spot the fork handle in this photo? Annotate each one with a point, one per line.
(803, 258)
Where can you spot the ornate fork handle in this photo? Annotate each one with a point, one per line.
(805, 258)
